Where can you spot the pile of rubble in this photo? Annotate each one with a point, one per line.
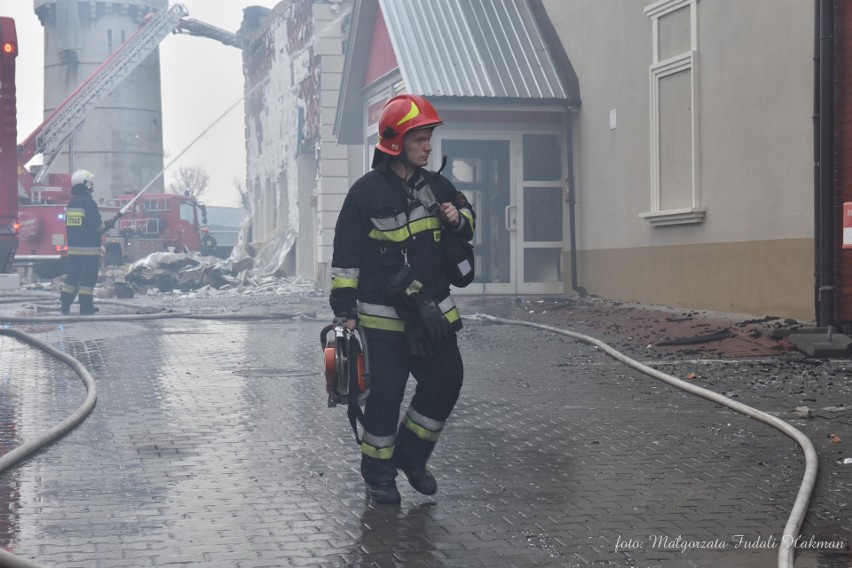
(167, 273)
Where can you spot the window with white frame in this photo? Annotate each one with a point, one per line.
(675, 191)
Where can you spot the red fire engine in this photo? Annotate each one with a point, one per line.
(41, 210)
(8, 136)
(158, 222)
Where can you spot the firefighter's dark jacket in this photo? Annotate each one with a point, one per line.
(383, 224)
(83, 223)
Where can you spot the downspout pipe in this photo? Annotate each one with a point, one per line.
(825, 205)
(571, 191)
(816, 139)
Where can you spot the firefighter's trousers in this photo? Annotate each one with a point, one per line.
(82, 277)
(387, 442)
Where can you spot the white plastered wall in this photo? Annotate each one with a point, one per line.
(754, 79)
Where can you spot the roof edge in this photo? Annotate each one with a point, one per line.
(349, 118)
(557, 50)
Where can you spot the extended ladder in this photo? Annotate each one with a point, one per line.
(49, 137)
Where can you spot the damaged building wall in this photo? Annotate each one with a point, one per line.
(271, 144)
(293, 67)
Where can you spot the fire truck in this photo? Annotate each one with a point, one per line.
(8, 136)
(41, 205)
(158, 222)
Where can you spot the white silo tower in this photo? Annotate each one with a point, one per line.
(121, 141)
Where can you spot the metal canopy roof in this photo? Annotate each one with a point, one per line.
(472, 48)
(476, 50)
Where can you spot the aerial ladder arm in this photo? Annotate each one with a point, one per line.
(198, 28)
(58, 127)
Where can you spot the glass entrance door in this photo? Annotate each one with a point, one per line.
(515, 187)
(540, 219)
(480, 169)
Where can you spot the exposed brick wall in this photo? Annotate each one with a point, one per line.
(843, 149)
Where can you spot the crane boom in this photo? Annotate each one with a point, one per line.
(49, 137)
(198, 28)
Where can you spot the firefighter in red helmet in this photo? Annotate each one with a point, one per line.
(386, 276)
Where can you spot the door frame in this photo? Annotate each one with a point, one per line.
(517, 245)
(438, 138)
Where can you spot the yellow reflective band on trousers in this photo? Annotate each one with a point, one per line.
(378, 453)
(420, 431)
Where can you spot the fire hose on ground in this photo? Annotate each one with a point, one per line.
(800, 506)
(11, 458)
(791, 529)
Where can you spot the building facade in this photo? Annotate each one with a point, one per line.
(694, 151)
(651, 151)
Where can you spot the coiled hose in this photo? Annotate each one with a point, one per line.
(11, 458)
(794, 521)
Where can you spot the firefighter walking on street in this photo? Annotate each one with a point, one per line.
(84, 228)
(386, 277)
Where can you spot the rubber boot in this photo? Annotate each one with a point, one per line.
(65, 299)
(410, 455)
(87, 306)
(380, 478)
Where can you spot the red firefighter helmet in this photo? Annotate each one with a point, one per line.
(402, 114)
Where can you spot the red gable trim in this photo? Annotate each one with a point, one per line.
(382, 58)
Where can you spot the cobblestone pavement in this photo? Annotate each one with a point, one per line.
(211, 445)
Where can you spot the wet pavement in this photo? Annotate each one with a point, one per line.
(211, 445)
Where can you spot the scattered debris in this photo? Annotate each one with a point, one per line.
(167, 271)
(757, 320)
(123, 290)
(715, 336)
(835, 438)
(802, 412)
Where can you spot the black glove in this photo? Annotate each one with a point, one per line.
(419, 344)
(106, 226)
(430, 315)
